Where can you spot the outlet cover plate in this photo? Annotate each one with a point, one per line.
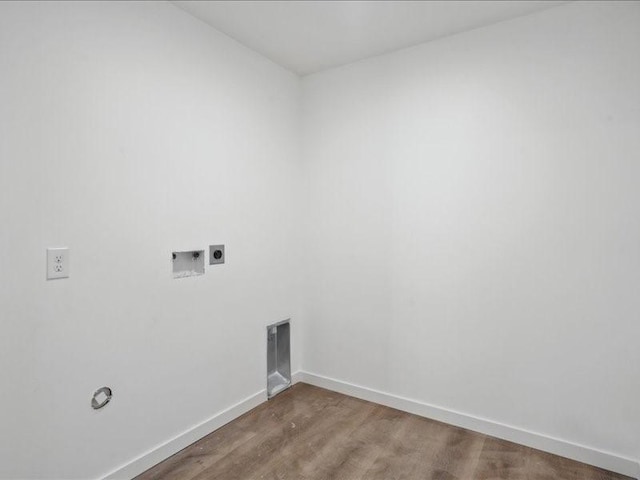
(57, 263)
(216, 254)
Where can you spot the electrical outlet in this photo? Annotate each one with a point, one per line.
(216, 254)
(57, 263)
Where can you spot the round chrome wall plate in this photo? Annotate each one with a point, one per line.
(101, 397)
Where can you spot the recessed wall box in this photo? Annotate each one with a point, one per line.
(278, 357)
(188, 263)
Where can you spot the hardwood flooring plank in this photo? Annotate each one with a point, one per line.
(308, 433)
(294, 430)
(502, 460)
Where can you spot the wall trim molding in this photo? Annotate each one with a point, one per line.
(564, 448)
(174, 445)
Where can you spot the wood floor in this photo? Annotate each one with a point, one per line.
(308, 433)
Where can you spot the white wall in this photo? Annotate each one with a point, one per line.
(128, 130)
(474, 224)
(471, 226)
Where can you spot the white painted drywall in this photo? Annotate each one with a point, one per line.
(474, 225)
(471, 226)
(129, 130)
(308, 37)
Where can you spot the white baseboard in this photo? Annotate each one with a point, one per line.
(581, 453)
(296, 377)
(186, 438)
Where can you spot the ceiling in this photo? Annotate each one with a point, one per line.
(309, 36)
